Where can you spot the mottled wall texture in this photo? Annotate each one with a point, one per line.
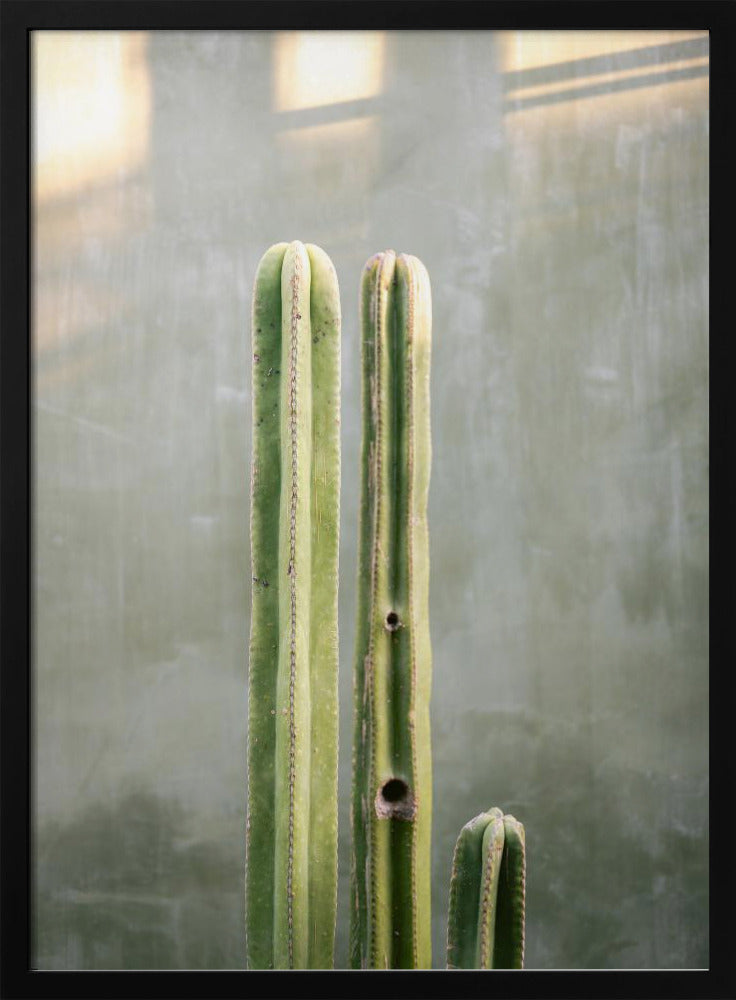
(555, 184)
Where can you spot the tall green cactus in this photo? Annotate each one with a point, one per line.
(291, 876)
(485, 927)
(392, 785)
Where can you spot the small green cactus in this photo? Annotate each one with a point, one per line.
(392, 785)
(485, 927)
(291, 872)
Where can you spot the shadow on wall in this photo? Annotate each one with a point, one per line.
(123, 887)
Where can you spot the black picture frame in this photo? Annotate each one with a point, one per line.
(18, 19)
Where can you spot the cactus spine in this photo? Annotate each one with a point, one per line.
(391, 805)
(291, 872)
(485, 927)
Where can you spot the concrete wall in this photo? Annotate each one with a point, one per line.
(556, 187)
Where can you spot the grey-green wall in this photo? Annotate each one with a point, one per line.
(566, 237)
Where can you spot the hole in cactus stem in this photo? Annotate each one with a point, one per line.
(394, 790)
(394, 800)
(392, 621)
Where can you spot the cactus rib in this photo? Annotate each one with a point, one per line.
(509, 945)
(391, 807)
(291, 875)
